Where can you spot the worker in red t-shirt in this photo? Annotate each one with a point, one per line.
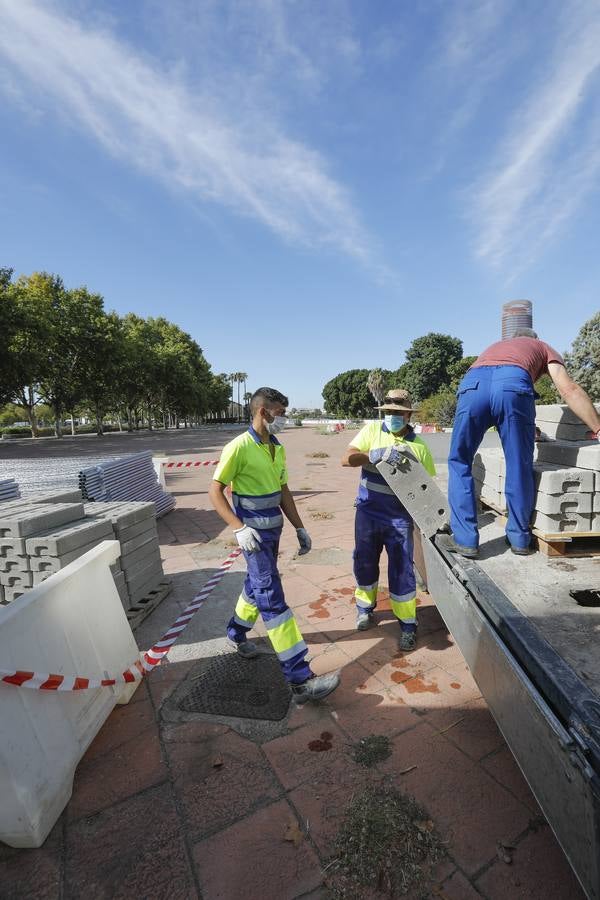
(498, 390)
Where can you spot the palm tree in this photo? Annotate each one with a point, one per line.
(242, 377)
(247, 399)
(233, 377)
(376, 384)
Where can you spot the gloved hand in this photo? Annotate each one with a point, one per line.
(304, 541)
(248, 538)
(376, 455)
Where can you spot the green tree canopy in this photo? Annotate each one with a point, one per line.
(428, 362)
(348, 395)
(583, 360)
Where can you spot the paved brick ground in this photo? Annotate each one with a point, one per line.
(152, 816)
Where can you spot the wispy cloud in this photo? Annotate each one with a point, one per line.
(549, 157)
(237, 155)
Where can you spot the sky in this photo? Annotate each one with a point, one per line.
(305, 186)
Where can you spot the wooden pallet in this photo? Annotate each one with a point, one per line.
(561, 544)
(142, 609)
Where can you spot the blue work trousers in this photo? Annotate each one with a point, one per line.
(263, 593)
(371, 535)
(502, 396)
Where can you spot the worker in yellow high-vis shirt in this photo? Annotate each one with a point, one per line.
(382, 521)
(254, 464)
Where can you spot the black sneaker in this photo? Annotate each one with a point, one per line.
(467, 552)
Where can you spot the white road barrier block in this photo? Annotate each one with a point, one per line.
(73, 622)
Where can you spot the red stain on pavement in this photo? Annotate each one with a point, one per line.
(318, 606)
(417, 685)
(455, 685)
(326, 736)
(321, 744)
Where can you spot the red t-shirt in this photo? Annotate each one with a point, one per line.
(525, 352)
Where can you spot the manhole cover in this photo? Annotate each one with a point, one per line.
(244, 688)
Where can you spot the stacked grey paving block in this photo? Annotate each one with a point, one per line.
(134, 526)
(41, 534)
(567, 475)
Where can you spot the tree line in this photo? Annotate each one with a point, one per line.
(60, 347)
(432, 370)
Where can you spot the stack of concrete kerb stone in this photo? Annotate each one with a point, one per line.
(567, 476)
(41, 534)
(139, 570)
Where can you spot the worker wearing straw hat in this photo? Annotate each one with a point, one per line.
(381, 519)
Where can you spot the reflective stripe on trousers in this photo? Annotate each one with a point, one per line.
(371, 536)
(263, 593)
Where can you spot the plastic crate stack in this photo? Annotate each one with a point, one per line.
(125, 479)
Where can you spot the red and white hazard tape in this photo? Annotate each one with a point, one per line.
(47, 681)
(191, 464)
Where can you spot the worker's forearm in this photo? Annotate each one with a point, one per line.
(223, 508)
(289, 510)
(355, 459)
(578, 401)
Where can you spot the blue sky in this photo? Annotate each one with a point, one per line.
(307, 186)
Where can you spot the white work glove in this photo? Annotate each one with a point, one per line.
(304, 541)
(248, 538)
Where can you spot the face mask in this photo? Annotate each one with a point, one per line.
(395, 423)
(277, 425)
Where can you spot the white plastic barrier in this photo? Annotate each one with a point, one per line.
(159, 463)
(72, 623)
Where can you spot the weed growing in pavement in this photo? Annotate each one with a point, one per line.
(372, 749)
(387, 843)
(321, 515)
(320, 454)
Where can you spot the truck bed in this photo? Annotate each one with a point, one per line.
(540, 589)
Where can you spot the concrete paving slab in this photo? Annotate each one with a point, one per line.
(551, 478)
(40, 518)
(582, 454)
(562, 522)
(563, 432)
(557, 412)
(58, 496)
(134, 559)
(564, 504)
(147, 535)
(55, 563)
(16, 579)
(15, 563)
(59, 541)
(12, 546)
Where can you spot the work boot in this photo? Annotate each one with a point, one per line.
(316, 688)
(467, 552)
(520, 551)
(245, 649)
(408, 640)
(364, 619)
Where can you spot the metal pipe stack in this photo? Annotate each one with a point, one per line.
(9, 489)
(127, 478)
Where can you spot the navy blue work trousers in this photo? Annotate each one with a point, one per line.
(502, 396)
